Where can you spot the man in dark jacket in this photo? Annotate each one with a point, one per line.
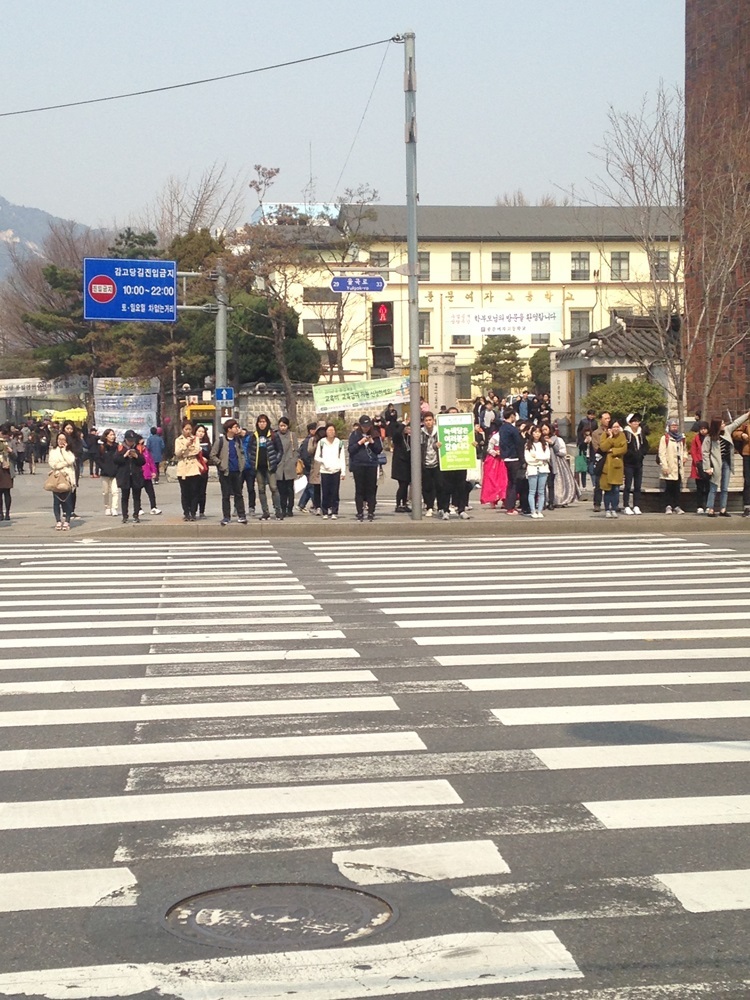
(364, 447)
(633, 462)
(263, 453)
(130, 461)
(511, 452)
(401, 463)
(229, 457)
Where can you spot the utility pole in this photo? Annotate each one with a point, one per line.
(415, 416)
(221, 338)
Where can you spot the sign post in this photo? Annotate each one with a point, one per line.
(358, 283)
(127, 291)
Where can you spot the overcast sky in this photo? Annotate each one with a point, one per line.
(511, 94)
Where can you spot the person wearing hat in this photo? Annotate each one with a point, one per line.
(633, 459)
(364, 447)
(286, 470)
(129, 462)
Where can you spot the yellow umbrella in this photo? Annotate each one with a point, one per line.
(76, 413)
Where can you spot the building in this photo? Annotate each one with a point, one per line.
(717, 98)
(547, 275)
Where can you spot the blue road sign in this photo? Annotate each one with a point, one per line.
(225, 395)
(358, 283)
(143, 291)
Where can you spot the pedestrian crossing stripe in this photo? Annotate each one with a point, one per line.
(561, 715)
(55, 890)
(202, 638)
(560, 681)
(600, 656)
(538, 638)
(150, 660)
(300, 618)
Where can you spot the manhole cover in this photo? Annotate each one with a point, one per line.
(279, 915)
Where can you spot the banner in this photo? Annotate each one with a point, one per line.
(124, 404)
(42, 389)
(518, 322)
(361, 395)
(456, 437)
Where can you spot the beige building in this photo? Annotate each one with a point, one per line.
(548, 275)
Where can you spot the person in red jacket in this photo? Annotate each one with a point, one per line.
(702, 481)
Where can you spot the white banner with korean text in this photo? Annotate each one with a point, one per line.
(518, 322)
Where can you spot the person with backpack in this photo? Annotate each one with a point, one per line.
(228, 455)
(633, 459)
(331, 453)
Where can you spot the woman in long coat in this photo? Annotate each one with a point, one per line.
(613, 444)
(400, 434)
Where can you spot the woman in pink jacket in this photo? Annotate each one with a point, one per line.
(150, 474)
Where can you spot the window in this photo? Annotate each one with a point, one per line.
(660, 265)
(579, 266)
(319, 327)
(501, 266)
(580, 322)
(461, 340)
(423, 265)
(460, 266)
(620, 265)
(540, 267)
(380, 258)
(319, 295)
(328, 360)
(539, 339)
(424, 329)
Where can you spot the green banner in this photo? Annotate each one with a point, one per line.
(360, 395)
(456, 436)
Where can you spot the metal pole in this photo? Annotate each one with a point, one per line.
(221, 339)
(410, 89)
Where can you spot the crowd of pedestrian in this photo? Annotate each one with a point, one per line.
(523, 465)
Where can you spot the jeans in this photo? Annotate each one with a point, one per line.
(231, 487)
(537, 483)
(612, 498)
(723, 490)
(329, 488)
(365, 488)
(62, 504)
(634, 481)
(306, 495)
(263, 479)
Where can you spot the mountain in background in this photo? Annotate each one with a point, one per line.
(24, 227)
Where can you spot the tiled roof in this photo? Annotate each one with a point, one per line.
(639, 339)
(522, 224)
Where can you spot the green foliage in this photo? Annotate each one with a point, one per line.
(623, 396)
(194, 251)
(134, 246)
(498, 364)
(250, 327)
(539, 363)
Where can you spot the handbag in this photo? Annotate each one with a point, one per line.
(701, 472)
(581, 463)
(57, 482)
(299, 467)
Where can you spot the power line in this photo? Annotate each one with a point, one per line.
(359, 127)
(198, 83)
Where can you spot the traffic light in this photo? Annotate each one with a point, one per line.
(382, 335)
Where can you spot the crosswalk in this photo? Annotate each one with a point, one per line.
(476, 730)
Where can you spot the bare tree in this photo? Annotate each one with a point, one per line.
(644, 156)
(214, 201)
(517, 199)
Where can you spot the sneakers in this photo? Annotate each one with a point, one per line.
(446, 515)
(428, 512)
(464, 516)
(534, 514)
(614, 513)
(326, 516)
(136, 520)
(597, 508)
(241, 520)
(155, 510)
(628, 510)
(746, 512)
(668, 510)
(334, 517)
(609, 513)
(637, 510)
(514, 511)
(66, 526)
(264, 517)
(724, 513)
(702, 511)
(678, 510)
(224, 521)
(370, 517)
(126, 520)
(360, 517)
(58, 526)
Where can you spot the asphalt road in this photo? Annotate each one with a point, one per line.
(532, 753)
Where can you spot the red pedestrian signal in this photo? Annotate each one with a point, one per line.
(382, 335)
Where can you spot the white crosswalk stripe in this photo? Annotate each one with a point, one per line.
(434, 730)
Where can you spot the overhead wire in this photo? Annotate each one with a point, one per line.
(198, 83)
(359, 127)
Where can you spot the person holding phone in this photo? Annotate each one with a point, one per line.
(364, 447)
(187, 448)
(129, 462)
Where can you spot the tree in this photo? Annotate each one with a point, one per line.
(624, 396)
(498, 364)
(517, 199)
(539, 363)
(644, 159)
(214, 202)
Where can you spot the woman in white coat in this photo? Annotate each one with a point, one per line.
(63, 459)
(330, 453)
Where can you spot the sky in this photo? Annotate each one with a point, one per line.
(511, 94)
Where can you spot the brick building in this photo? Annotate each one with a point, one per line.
(717, 98)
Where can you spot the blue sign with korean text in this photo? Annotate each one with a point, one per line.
(143, 291)
(358, 283)
(225, 395)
